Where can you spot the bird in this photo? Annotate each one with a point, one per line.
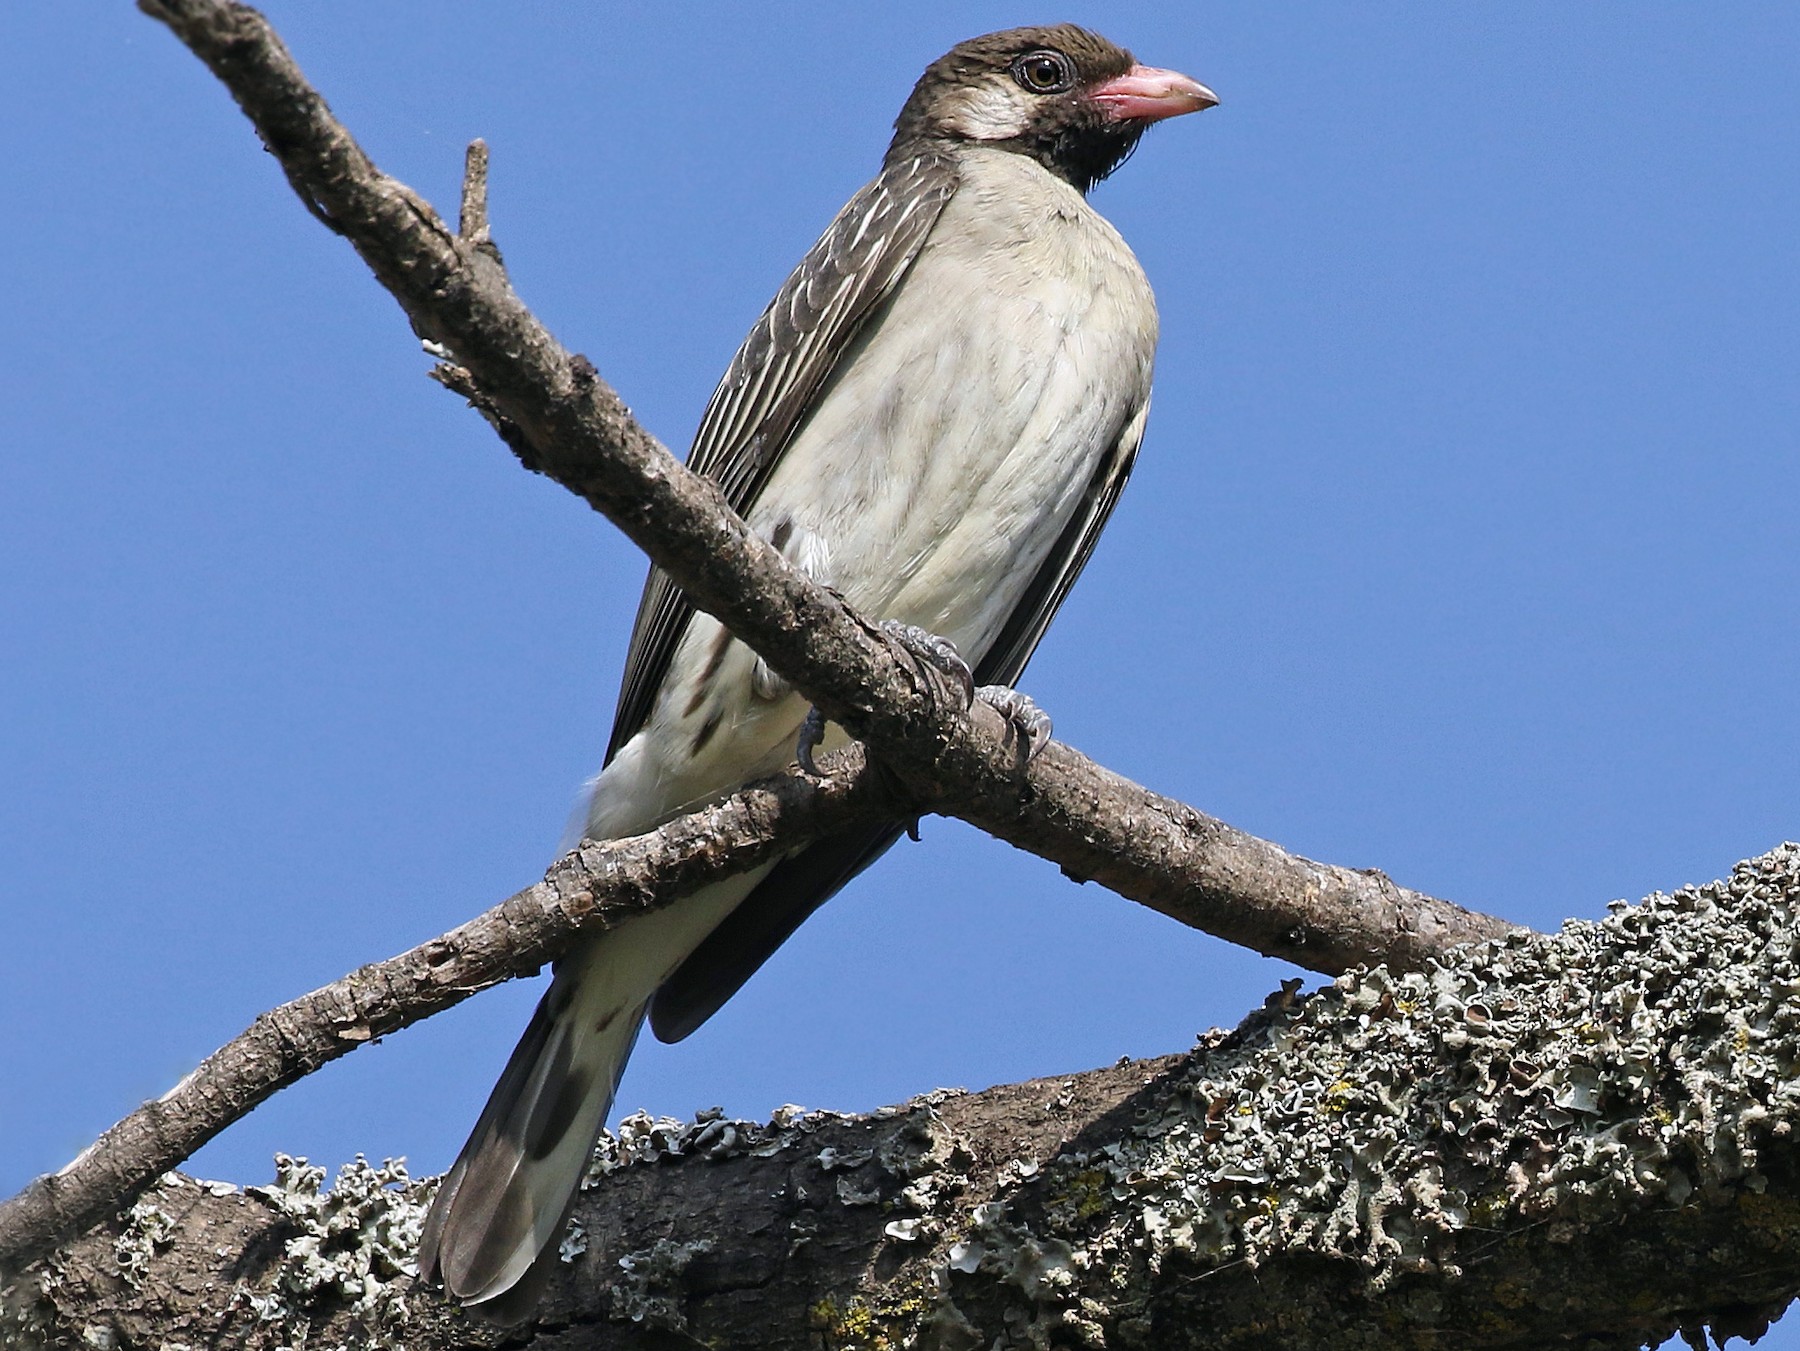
(934, 416)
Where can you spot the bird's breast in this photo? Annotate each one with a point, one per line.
(951, 446)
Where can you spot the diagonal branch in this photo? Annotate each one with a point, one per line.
(574, 428)
(568, 424)
(597, 887)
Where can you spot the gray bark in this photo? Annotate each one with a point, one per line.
(1585, 1138)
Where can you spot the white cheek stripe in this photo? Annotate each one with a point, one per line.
(988, 112)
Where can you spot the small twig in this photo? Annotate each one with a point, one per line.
(473, 223)
(472, 229)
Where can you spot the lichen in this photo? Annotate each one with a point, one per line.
(651, 1288)
(148, 1231)
(883, 1323)
(1628, 1062)
(353, 1241)
(642, 1138)
(1629, 1059)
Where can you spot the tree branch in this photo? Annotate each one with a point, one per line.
(575, 429)
(1586, 1138)
(594, 888)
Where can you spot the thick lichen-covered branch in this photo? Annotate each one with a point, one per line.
(1582, 1138)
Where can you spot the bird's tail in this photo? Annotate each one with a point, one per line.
(491, 1235)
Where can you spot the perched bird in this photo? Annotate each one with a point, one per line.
(935, 416)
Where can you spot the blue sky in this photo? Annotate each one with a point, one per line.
(1463, 543)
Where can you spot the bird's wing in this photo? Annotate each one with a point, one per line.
(769, 387)
(1004, 662)
(803, 882)
(761, 923)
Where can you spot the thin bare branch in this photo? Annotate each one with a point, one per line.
(595, 888)
(575, 429)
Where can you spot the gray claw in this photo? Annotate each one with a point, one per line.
(1021, 710)
(927, 649)
(812, 732)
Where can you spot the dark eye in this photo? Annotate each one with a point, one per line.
(1044, 72)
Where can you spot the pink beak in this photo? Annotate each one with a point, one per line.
(1146, 94)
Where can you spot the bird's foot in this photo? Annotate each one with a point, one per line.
(812, 732)
(927, 650)
(1022, 715)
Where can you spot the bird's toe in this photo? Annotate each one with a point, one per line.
(812, 732)
(1022, 713)
(927, 649)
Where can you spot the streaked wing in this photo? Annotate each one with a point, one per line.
(768, 388)
(802, 883)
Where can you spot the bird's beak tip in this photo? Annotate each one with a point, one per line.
(1147, 94)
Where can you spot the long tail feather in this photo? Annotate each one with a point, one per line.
(505, 1201)
(491, 1235)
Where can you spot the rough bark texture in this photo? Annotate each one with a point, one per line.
(1586, 1138)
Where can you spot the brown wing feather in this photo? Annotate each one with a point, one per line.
(766, 391)
(1004, 662)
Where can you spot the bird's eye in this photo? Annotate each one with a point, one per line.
(1044, 72)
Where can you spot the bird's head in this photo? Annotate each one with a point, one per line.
(1061, 94)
